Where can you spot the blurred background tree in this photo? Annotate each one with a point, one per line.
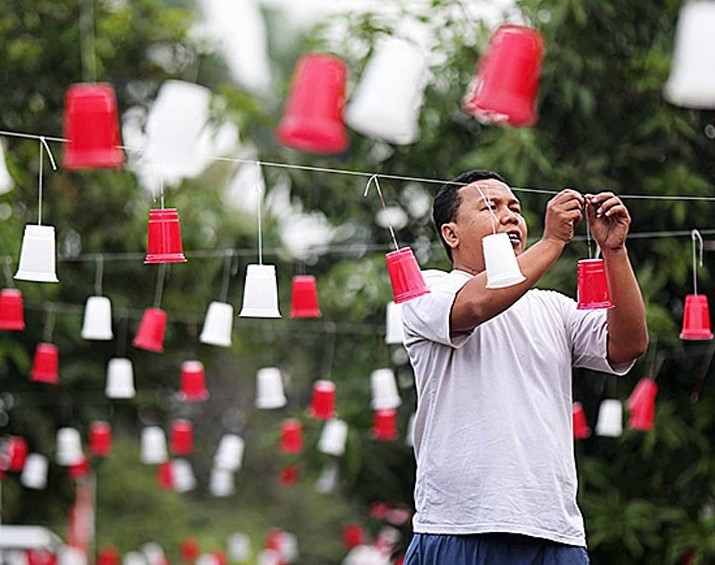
(647, 498)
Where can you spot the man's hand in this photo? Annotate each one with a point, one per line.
(563, 213)
(608, 219)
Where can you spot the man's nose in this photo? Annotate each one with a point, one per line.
(506, 216)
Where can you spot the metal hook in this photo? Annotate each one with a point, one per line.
(372, 179)
(695, 236)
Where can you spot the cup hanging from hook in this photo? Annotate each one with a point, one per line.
(696, 315)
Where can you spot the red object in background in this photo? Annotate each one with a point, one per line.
(80, 469)
(580, 426)
(405, 275)
(219, 556)
(506, 83)
(353, 535)
(182, 437)
(108, 555)
(45, 364)
(304, 297)
(642, 406)
(92, 128)
(16, 454)
(592, 285)
(150, 335)
(696, 318)
(190, 550)
(384, 426)
(12, 313)
(322, 406)
(291, 436)
(313, 118)
(288, 475)
(165, 476)
(164, 237)
(379, 510)
(41, 557)
(275, 541)
(100, 439)
(193, 382)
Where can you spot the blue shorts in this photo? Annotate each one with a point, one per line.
(491, 549)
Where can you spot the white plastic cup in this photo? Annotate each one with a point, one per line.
(410, 436)
(218, 325)
(268, 557)
(68, 555)
(37, 255)
(384, 390)
(692, 79)
(221, 483)
(610, 418)
(184, 479)
(229, 454)
(175, 126)
(134, 558)
(269, 387)
(239, 547)
(97, 319)
(333, 437)
(260, 293)
(69, 447)
(387, 101)
(154, 553)
(6, 182)
(153, 446)
(500, 261)
(394, 332)
(120, 379)
(328, 480)
(34, 473)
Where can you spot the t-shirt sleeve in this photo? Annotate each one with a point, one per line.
(589, 338)
(427, 317)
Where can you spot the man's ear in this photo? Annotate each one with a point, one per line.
(449, 233)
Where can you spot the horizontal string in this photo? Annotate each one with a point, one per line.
(368, 175)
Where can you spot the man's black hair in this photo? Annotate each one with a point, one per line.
(448, 199)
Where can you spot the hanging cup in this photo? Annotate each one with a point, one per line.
(183, 475)
(153, 445)
(405, 275)
(164, 237)
(291, 436)
(692, 79)
(696, 318)
(45, 364)
(34, 474)
(610, 418)
(92, 128)
(322, 406)
(313, 118)
(69, 447)
(16, 450)
(239, 547)
(500, 261)
(384, 390)
(384, 427)
(221, 483)
(37, 255)
(182, 437)
(189, 550)
(150, 335)
(97, 322)
(193, 382)
(269, 385)
(12, 313)
(229, 454)
(353, 535)
(386, 103)
(218, 325)
(100, 439)
(642, 406)
(165, 475)
(580, 426)
(333, 437)
(304, 297)
(120, 379)
(506, 84)
(260, 294)
(394, 333)
(592, 285)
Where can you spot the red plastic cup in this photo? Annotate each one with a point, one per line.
(353, 535)
(384, 427)
(313, 118)
(193, 382)
(506, 83)
(291, 436)
(642, 406)
(165, 475)
(696, 320)
(108, 555)
(16, 454)
(45, 364)
(405, 275)
(182, 437)
(92, 128)
(164, 237)
(580, 426)
(151, 330)
(640, 389)
(304, 297)
(80, 469)
(592, 285)
(190, 550)
(40, 557)
(288, 475)
(100, 439)
(322, 406)
(12, 314)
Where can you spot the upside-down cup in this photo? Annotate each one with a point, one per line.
(260, 293)
(37, 255)
(696, 318)
(322, 406)
(34, 474)
(193, 382)
(291, 436)
(164, 237)
(97, 322)
(500, 261)
(182, 437)
(269, 389)
(218, 325)
(333, 437)
(394, 333)
(405, 275)
(45, 364)
(304, 297)
(100, 439)
(384, 427)
(69, 447)
(610, 418)
(592, 283)
(384, 390)
(580, 426)
(120, 379)
(643, 407)
(229, 453)
(16, 449)
(12, 313)
(153, 446)
(152, 327)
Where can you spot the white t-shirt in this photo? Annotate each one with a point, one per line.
(493, 429)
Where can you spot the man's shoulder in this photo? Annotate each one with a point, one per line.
(437, 280)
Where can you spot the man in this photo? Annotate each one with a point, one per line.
(496, 476)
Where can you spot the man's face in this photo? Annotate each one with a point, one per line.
(494, 209)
